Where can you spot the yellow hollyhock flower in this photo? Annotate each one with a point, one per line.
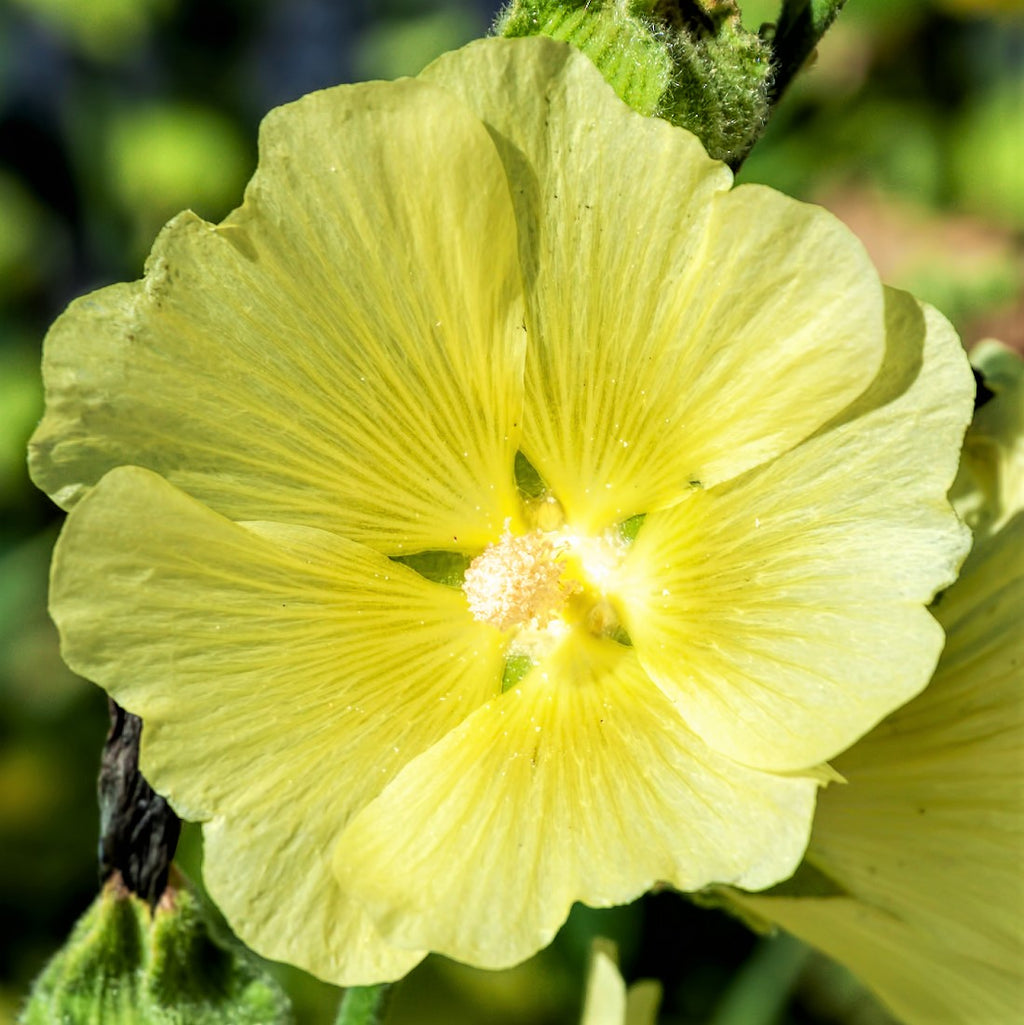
(926, 840)
(431, 283)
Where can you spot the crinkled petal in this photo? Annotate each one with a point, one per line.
(784, 612)
(669, 341)
(284, 676)
(582, 783)
(341, 352)
(927, 837)
(273, 883)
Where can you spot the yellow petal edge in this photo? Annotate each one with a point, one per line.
(648, 281)
(927, 837)
(255, 655)
(582, 783)
(783, 612)
(338, 353)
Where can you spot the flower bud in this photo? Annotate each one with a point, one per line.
(125, 964)
(689, 62)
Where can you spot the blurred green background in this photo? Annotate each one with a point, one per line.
(115, 114)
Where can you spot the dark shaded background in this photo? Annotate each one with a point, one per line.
(115, 114)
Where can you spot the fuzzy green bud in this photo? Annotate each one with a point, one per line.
(125, 964)
(688, 61)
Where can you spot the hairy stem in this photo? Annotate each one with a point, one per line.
(801, 25)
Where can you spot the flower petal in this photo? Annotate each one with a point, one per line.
(340, 352)
(666, 344)
(928, 835)
(582, 783)
(923, 984)
(273, 883)
(284, 676)
(783, 612)
(935, 804)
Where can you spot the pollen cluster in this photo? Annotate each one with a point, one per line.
(517, 582)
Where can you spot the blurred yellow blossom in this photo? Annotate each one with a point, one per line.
(990, 486)
(925, 843)
(496, 511)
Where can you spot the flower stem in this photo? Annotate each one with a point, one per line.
(138, 829)
(762, 987)
(801, 25)
(364, 1005)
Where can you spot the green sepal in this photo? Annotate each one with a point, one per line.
(528, 480)
(628, 529)
(448, 568)
(127, 965)
(620, 38)
(688, 61)
(516, 667)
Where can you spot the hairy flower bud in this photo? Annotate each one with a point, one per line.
(126, 965)
(691, 63)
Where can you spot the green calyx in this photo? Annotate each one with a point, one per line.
(127, 965)
(619, 36)
(688, 61)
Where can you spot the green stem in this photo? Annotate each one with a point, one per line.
(761, 989)
(364, 1005)
(801, 25)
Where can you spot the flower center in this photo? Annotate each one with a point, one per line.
(518, 582)
(541, 583)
